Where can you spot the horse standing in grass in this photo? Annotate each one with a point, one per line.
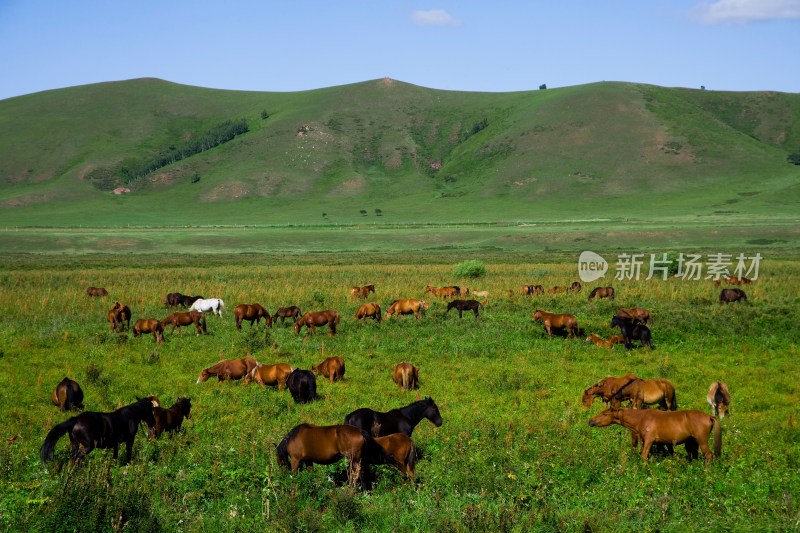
(331, 368)
(402, 450)
(272, 375)
(555, 321)
(406, 376)
(465, 305)
(635, 314)
(407, 307)
(118, 315)
(170, 419)
(228, 369)
(605, 389)
(727, 296)
(602, 292)
(251, 313)
(149, 325)
(205, 305)
(184, 318)
(94, 292)
(643, 392)
(632, 331)
(283, 313)
(302, 385)
(67, 395)
(362, 292)
(719, 398)
(402, 420)
(369, 310)
(313, 319)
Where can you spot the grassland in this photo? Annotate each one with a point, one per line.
(514, 451)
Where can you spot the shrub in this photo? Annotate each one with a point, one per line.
(471, 268)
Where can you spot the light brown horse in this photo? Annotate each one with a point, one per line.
(719, 398)
(362, 292)
(602, 292)
(331, 368)
(605, 389)
(443, 292)
(556, 290)
(555, 321)
(228, 369)
(617, 339)
(314, 319)
(272, 375)
(646, 392)
(96, 292)
(691, 428)
(599, 341)
(733, 280)
(149, 325)
(407, 307)
(169, 419)
(67, 395)
(406, 376)
(401, 448)
(184, 318)
(636, 314)
(119, 314)
(251, 313)
(369, 310)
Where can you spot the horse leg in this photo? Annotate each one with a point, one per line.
(692, 445)
(646, 444)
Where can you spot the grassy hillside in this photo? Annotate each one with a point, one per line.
(416, 154)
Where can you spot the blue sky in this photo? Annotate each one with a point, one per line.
(498, 46)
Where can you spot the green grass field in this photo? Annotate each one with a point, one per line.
(514, 453)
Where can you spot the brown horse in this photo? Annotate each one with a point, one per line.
(597, 340)
(169, 419)
(184, 318)
(369, 310)
(719, 398)
(400, 448)
(554, 321)
(67, 395)
(727, 296)
(635, 314)
(149, 325)
(443, 292)
(605, 389)
(362, 292)
(616, 339)
(733, 280)
(576, 286)
(556, 290)
(251, 313)
(118, 315)
(283, 313)
(646, 392)
(96, 292)
(602, 292)
(407, 307)
(229, 369)
(406, 376)
(314, 319)
(691, 428)
(272, 375)
(331, 368)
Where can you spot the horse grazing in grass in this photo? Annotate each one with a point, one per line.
(576, 286)
(170, 419)
(465, 305)
(646, 392)
(530, 290)
(251, 313)
(402, 450)
(635, 314)
(90, 430)
(407, 307)
(690, 428)
(632, 331)
(205, 305)
(302, 386)
(602, 292)
(719, 398)
(554, 321)
(313, 319)
(599, 341)
(149, 325)
(443, 292)
(406, 376)
(94, 292)
(402, 420)
(727, 296)
(184, 318)
(228, 369)
(118, 315)
(605, 389)
(272, 375)
(733, 280)
(67, 395)
(556, 290)
(283, 313)
(331, 368)
(369, 310)
(362, 292)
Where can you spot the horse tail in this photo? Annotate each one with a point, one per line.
(46, 452)
(411, 458)
(70, 397)
(717, 437)
(673, 400)
(405, 379)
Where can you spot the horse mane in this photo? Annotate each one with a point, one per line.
(281, 449)
(594, 291)
(618, 394)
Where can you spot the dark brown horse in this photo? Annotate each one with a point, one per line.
(557, 321)
(67, 395)
(402, 450)
(362, 292)
(251, 313)
(727, 296)
(302, 385)
(465, 305)
(228, 369)
(169, 419)
(314, 319)
(402, 420)
(94, 292)
(719, 398)
(272, 375)
(149, 325)
(602, 292)
(605, 389)
(283, 313)
(407, 306)
(369, 310)
(576, 286)
(331, 368)
(632, 331)
(175, 299)
(118, 315)
(691, 428)
(406, 376)
(184, 318)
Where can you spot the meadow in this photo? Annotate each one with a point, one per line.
(514, 453)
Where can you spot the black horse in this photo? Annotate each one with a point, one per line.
(302, 385)
(632, 331)
(174, 299)
(727, 296)
(402, 420)
(92, 430)
(464, 305)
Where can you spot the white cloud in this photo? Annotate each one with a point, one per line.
(747, 10)
(434, 17)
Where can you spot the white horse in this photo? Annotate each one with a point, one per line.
(215, 305)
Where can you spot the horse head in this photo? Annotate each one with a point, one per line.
(432, 412)
(605, 418)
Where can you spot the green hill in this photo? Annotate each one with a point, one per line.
(417, 155)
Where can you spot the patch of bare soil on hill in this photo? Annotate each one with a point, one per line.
(22, 201)
(350, 187)
(229, 190)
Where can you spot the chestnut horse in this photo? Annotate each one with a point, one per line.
(553, 321)
(556, 290)
(169, 419)
(96, 291)
(362, 292)
(733, 280)
(272, 375)
(727, 296)
(283, 313)
(229, 369)
(646, 392)
(602, 292)
(184, 318)
(402, 450)
(605, 389)
(369, 310)
(251, 313)
(331, 368)
(691, 428)
(118, 314)
(313, 319)
(599, 341)
(406, 376)
(443, 292)
(407, 307)
(402, 420)
(635, 314)
(719, 398)
(67, 395)
(149, 325)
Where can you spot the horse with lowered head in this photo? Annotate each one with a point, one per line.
(149, 325)
(406, 376)
(605, 389)
(313, 319)
(67, 395)
(602, 292)
(228, 369)
(184, 318)
(557, 321)
(251, 313)
(643, 392)
(407, 307)
(636, 314)
(727, 296)
(369, 310)
(719, 398)
(465, 305)
(632, 331)
(206, 305)
(272, 375)
(302, 385)
(96, 292)
(331, 368)
(402, 420)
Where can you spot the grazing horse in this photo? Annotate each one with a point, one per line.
(443, 292)
(402, 450)
(479, 294)
(118, 315)
(599, 341)
(174, 299)
(313, 319)
(554, 321)
(67, 395)
(362, 292)
(302, 385)
(576, 286)
(465, 305)
(184, 318)
(402, 420)
(631, 331)
(733, 280)
(605, 389)
(272, 375)
(727, 296)
(691, 428)
(407, 307)
(647, 392)
(719, 398)
(602, 292)
(369, 310)
(170, 419)
(283, 313)
(149, 325)
(331, 368)
(251, 313)
(96, 291)
(229, 369)
(90, 430)
(406, 376)
(636, 314)
(555, 290)
(307, 444)
(204, 305)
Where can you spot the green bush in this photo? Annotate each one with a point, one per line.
(471, 268)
